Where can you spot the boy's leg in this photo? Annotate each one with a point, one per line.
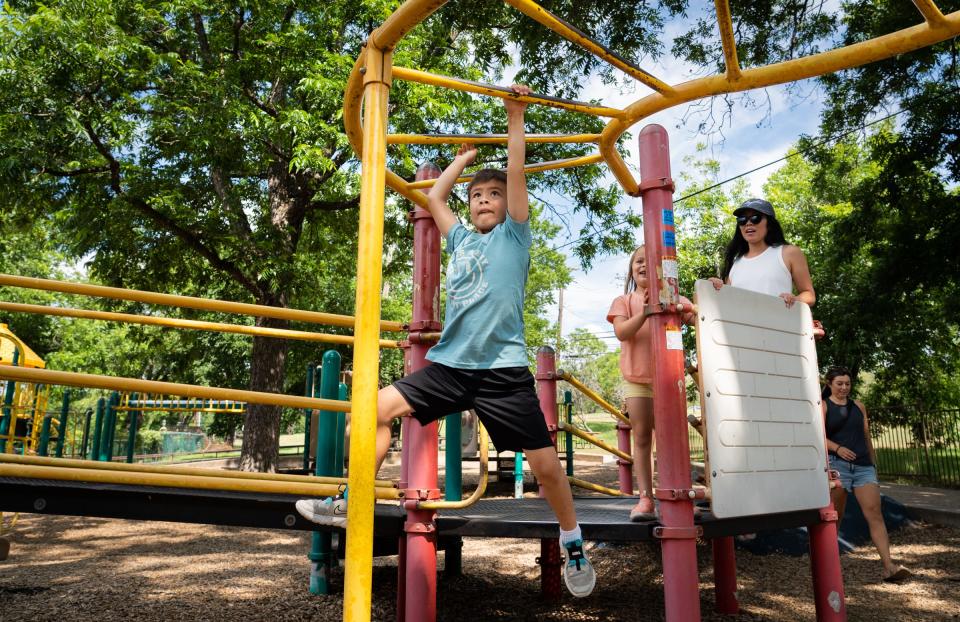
(545, 464)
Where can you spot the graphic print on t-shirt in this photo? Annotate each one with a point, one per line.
(466, 277)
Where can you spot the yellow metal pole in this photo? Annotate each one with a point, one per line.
(527, 170)
(580, 483)
(363, 427)
(607, 406)
(481, 486)
(590, 438)
(190, 302)
(164, 480)
(568, 32)
(423, 77)
(177, 470)
(930, 11)
(485, 139)
(115, 383)
(172, 322)
(724, 21)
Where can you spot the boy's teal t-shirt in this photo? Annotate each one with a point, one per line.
(486, 281)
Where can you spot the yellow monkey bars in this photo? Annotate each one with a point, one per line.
(366, 97)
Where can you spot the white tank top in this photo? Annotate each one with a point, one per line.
(766, 273)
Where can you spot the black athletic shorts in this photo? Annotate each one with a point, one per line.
(504, 399)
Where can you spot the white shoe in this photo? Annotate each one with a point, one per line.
(331, 511)
(578, 572)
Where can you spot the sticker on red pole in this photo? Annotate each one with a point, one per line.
(674, 340)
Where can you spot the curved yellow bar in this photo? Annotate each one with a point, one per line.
(593, 395)
(581, 483)
(481, 485)
(171, 322)
(164, 480)
(116, 383)
(590, 438)
(177, 470)
(190, 302)
(879, 48)
(552, 165)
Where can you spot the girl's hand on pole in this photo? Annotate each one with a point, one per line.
(514, 106)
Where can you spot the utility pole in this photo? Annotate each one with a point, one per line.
(559, 327)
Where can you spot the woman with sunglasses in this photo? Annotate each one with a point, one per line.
(853, 457)
(759, 259)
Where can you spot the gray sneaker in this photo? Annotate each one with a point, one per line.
(578, 572)
(331, 511)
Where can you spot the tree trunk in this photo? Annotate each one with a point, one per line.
(261, 428)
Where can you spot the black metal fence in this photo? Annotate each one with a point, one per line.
(917, 445)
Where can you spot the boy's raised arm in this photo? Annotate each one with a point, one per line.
(438, 195)
(517, 202)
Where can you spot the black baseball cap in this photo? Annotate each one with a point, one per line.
(757, 205)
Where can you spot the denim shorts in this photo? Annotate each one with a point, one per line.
(853, 475)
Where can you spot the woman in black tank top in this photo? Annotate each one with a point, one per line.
(852, 455)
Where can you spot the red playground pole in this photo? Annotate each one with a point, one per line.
(725, 576)
(825, 566)
(677, 533)
(625, 468)
(418, 572)
(549, 547)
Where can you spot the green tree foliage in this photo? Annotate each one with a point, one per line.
(586, 357)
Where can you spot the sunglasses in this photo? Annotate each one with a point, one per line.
(753, 219)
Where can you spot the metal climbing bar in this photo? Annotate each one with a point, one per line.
(171, 322)
(459, 84)
(486, 139)
(118, 383)
(593, 440)
(725, 22)
(593, 395)
(582, 483)
(930, 11)
(189, 302)
(575, 35)
(481, 485)
(540, 167)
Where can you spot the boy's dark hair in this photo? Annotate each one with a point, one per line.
(484, 175)
(738, 246)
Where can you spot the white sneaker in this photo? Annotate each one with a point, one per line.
(578, 572)
(331, 511)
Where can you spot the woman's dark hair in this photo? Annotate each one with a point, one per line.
(739, 247)
(832, 374)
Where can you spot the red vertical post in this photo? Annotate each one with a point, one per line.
(825, 566)
(677, 533)
(549, 547)
(418, 578)
(725, 576)
(626, 468)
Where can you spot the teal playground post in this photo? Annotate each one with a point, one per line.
(87, 416)
(518, 475)
(8, 405)
(568, 409)
(45, 434)
(341, 437)
(134, 417)
(62, 428)
(329, 388)
(307, 416)
(98, 429)
(109, 427)
(453, 486)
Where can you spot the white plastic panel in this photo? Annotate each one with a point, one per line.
(761, 399)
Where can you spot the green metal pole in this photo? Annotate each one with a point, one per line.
(518, 475)
(11, 388)
(132, 435)
(329, 387)
(98, 429)
(339, 460)
(109, 428)
(568, 406)
(307, 415)
(45, 435)
(87, 416)
(64, 414)
(453, 488)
